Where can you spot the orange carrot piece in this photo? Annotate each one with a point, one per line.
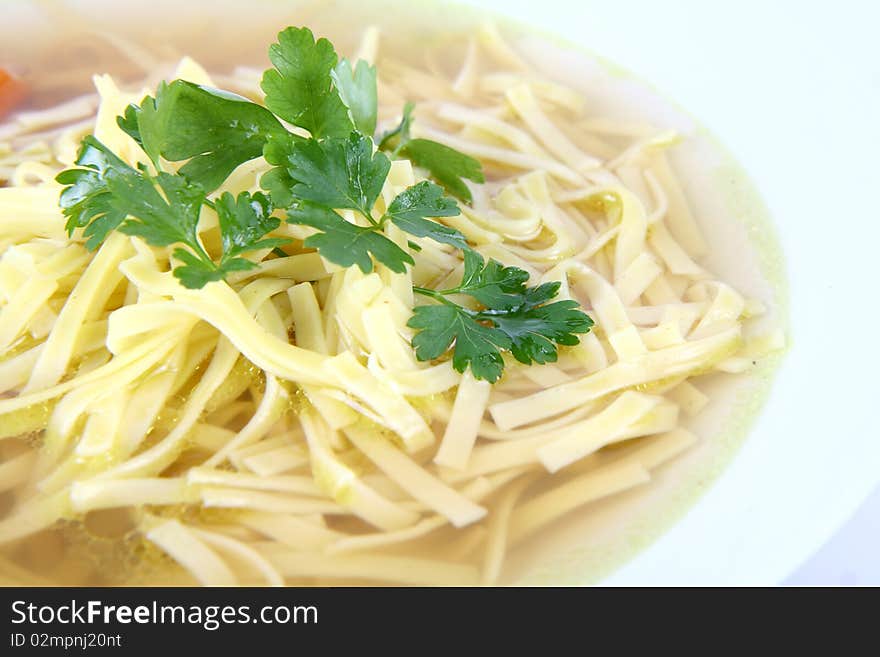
(12, 92)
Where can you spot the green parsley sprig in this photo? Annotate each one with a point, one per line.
(335, 168)
(508, 316)
(213, 132)
(163, 209)
(338, 168)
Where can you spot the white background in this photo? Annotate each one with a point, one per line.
(792, 88)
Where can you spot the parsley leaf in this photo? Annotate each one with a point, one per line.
(476, 345)
(399, 135)
(492, 284)
(128, 122)
(300, 90)
(244, 220)
(107, 194)
(446, 165)
(346, 244)
(514, 318)
(277, 180)
(338, 173)
(196, 272)
(100, 196)
(319, 177)
(533, 329)
(215, 130)
(357, 88)
(161, 222)
(409, 209)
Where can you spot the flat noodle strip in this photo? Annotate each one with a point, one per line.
(90, 293)
(570, 447)
(461, 431)
(185, 547)
(503, 156)
(236, 498)
(294, 531)
(282, 484)
(417, 482)
(680, 219)
(378, 567)
(90, 495)
(655, 451)
(556, 502)
(16, 470)
(159, 456)
(33, 516)
(523, 101)
(672, 361)
(220, 306)
(477, 489)
(244, 552)
(393, 409)
(587, 433)
(116, 364)
(499, 524)
(267, 413)
(24, 304)
(341, 483)
(15, 371)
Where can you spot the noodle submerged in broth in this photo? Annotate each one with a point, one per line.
(280, 422)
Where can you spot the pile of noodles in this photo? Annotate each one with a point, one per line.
(278, 428)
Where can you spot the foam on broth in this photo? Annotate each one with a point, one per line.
(55, 48)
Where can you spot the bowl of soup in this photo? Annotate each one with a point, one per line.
(333, 293)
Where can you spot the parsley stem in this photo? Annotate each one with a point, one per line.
(369, 217)
(437, 295)
(200, 252)
(453, 290)
(385, 139)
(397, 150)
(427, 292)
